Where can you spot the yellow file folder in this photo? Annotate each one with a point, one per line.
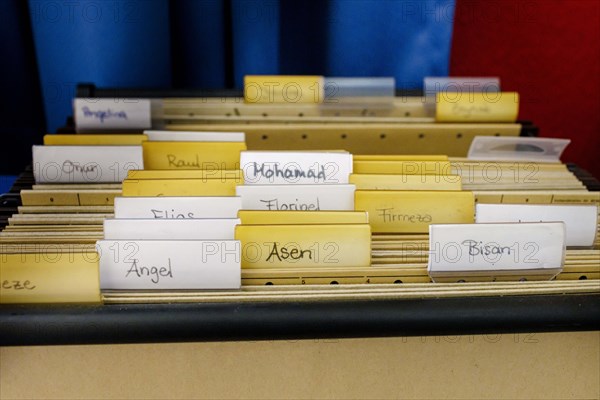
(202, 174)
(50, 277)
(192, 155)
(297, 246)
(178, 187)
(405, 182)
(403, 167)
(94, 139)
(414, 211)
(291, 89)
(477, 107)
(399, 157)
(252, 217)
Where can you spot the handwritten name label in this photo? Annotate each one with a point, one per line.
(296, 197)
(102, 115)
(175, 162)
(177, 207)
(467, 112)
(389, 215)
(169, 264)
(112, 114)
(170, 229)
(581, 221)
(276, 205)
(18, 285)
(85, 164)
(496, 249)
(153, 272)
(289, 167)
(283, 253)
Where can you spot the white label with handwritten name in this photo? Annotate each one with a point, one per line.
(169, 264)
(295, 167)
(581, 220)
(177, 207)
(183, 136)
(170, 229)
(297, 197)
(85, 164)
(112, 114)
(494, 249)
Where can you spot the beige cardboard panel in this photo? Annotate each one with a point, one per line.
(358, 138)
(509, 366)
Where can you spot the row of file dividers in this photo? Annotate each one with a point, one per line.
(396, 259)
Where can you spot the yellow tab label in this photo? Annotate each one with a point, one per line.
(178, 187)
(406, 182)
(477, 107)
(64, 277)
(235, 174)
(251, 217)
(414, 211)
(291, 89)
(297, 246)
(192, 155)
(403, 167)
(94, 140)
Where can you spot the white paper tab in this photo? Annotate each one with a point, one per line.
(187, 136)
(170, 229)
(450, 84)
(517, 148)
(297, 197)
(177, 207)
(496, 249)
(112, 114)
(85, 164)
(169, 264)
(295, 167)
(581, 220)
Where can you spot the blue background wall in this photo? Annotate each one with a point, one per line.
(53, 45)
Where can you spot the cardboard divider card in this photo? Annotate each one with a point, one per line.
(52, 275)
(414, 211)
(177, 207)
(291, 167)
(526, 149)
(202, 174)
(178, 187)
(406, 182)
(297, 197)
(106, 114)
(170, 229)
(185, 136)
(85, 164)
(581, 221)
(403, 167)
(276, 246)
(96, 139)
(477, 107)
(250, 217)
(192, 155)
(462, 250)
(269, 89)
(172, 264)
(399, 157)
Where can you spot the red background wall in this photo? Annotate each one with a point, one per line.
(549, 52)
